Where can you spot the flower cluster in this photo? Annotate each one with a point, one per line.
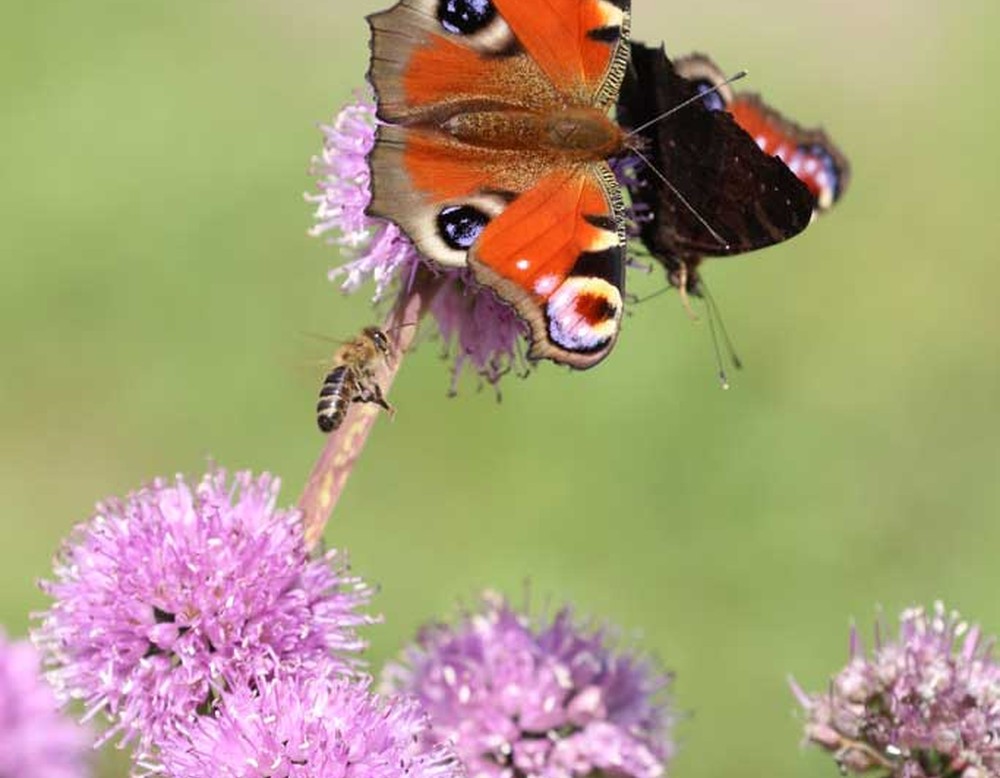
(549, 700)
(159, 596)
(36, 739)
(925, 705)
(305, 726)
(377, 248)
(485, 331)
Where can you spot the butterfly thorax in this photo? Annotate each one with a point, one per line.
(576, 132)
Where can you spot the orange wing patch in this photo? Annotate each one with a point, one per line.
(443, 169)
(579, 44)
(543, 233)
(418, 173)
(555, 253)
(446, 72)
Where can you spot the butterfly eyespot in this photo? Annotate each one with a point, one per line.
(583, 314)
(830, 167)
(465, 17)
(461, 225)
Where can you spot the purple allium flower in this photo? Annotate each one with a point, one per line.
(376, 248)
(307, 726)
(36, 738)
(160, 595)
(486, 330)
(924, 705)
(550, 700)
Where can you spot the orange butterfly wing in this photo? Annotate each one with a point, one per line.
(504, 201)
(557, 253)
(581, 45)
(419, 176)
(423, 73)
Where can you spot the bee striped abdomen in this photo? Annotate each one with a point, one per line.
(336, 395)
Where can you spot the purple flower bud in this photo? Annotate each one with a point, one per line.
(160, 595)
(36, 738)
(550, 700)
(486, 331)
(925, 705)
(306, 726)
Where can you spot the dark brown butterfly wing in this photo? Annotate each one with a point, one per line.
(808, 151)
(750, 198)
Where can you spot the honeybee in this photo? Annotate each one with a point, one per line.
(352, 379)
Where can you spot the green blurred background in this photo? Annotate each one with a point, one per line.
(158, 282)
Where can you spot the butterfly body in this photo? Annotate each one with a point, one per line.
(492, 153)
(574, 134)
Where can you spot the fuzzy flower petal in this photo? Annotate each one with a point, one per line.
(626, 170)
(36, 738)
(924, 705)
(375, 248)
(159, 595)
(307, 726)
(550, 700)
(485, 331)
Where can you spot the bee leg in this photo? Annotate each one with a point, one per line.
(379, 400)
(373, 394)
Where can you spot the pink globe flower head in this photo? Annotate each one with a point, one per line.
(36, 738)
(306, 725)
(483, 331)
(923, 705)
(547, 700)
(159, 595)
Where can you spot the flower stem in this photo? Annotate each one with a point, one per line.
(345, 444)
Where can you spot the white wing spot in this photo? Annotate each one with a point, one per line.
(522, 264)
(546, 285)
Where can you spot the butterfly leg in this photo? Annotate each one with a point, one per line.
(682, 288)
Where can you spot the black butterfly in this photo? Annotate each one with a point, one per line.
(749, 198)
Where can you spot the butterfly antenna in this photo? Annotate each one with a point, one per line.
(684, 201)
(723, 378)
(693, 99)
(652, 295)
(716, 313)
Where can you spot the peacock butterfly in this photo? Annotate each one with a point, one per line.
(492, 151)
(808, 152)
(757, 177)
